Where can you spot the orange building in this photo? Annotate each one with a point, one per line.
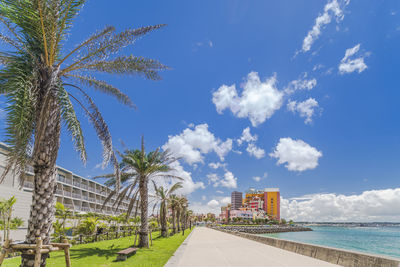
(272, 205)
(269, 199)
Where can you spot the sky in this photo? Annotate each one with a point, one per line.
(299, 95)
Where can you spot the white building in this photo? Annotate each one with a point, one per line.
(77, 193)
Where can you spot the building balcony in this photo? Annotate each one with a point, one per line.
(92, 189)
(69, 206)
(87, 209)
(59, 192)
(67, 193)
(28, 184)
(61, 179)
(68, 181)
(84, 186)
(77, 184)
(76, 195)
(92, 199)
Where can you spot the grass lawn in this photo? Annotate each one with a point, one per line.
(104, 253)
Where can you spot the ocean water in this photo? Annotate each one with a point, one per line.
(374, 240)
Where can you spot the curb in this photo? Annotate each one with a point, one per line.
(176, 257)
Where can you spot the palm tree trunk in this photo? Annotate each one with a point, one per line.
(163, 219)
(144, 224)
(178, 216)
(173, 221)
(47, 143)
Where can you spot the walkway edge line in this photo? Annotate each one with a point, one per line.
(176, 257)
(341, 257)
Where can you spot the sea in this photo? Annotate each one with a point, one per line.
(380, 240)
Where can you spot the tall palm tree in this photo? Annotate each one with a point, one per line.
(173, 204)
(137, 169)
(41, 80)
(180, 211)
(162, 195)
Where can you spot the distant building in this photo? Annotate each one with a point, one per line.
(236, 200)
(242, 214)
(272, 205)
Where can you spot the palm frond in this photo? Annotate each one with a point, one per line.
(72, 123)
(104, 88)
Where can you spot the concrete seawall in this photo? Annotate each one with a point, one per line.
(337, 256)
(264, 229)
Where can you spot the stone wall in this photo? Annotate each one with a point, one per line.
(263, 229)
(337, 256)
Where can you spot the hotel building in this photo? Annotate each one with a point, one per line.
(77, 193)
(236, 200)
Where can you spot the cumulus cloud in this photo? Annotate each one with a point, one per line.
(348, 65)
(297, 155)
(255, 151)
(369, 206)
(188, 185)
(306, 109)
(247, 137)
(300, 84)
(228, 180)
(258, 102)
(333, 9)
(191, 144)
(213, 204)
(257, 178)
(216, 165)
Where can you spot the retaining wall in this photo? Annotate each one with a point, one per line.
(337, 256)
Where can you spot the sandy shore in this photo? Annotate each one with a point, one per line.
(208, 247)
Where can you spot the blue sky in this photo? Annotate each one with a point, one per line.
(315, 83)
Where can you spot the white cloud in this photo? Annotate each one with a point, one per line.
(258, 178)
(306, 109)
(258, 102)
(300, 84)
(216, 165)
(219, 192)
(247, 137)
(255, 151)
(188, 184)
(348, 65)
(203, 198)
(298, 155)
(191, 144)
(369, 206)
(228, 181)
(213, 178)
(213, 204)
(225, 201)
(333, 9)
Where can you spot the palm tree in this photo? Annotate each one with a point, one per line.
(40, 80)
(163, 195)
(181, 204)
(137, 169)
(173, 205)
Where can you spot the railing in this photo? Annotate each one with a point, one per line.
(85, 209)
(67, 181)
(29, 169)
(84, 186)
(78, 184)
(92, 189)
(28, 184)
(92, 199)
(59, 192)
(76, 195)
(67, 193)
(85, 197)
(61, 179)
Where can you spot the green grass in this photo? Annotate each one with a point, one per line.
(104, 253)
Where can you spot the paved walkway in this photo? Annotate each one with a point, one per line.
(208, 248)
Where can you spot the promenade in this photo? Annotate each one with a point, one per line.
(208, 247)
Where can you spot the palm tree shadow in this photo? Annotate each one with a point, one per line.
(88, 252)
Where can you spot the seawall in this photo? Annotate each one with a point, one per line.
(263, 229)
(337, 256)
